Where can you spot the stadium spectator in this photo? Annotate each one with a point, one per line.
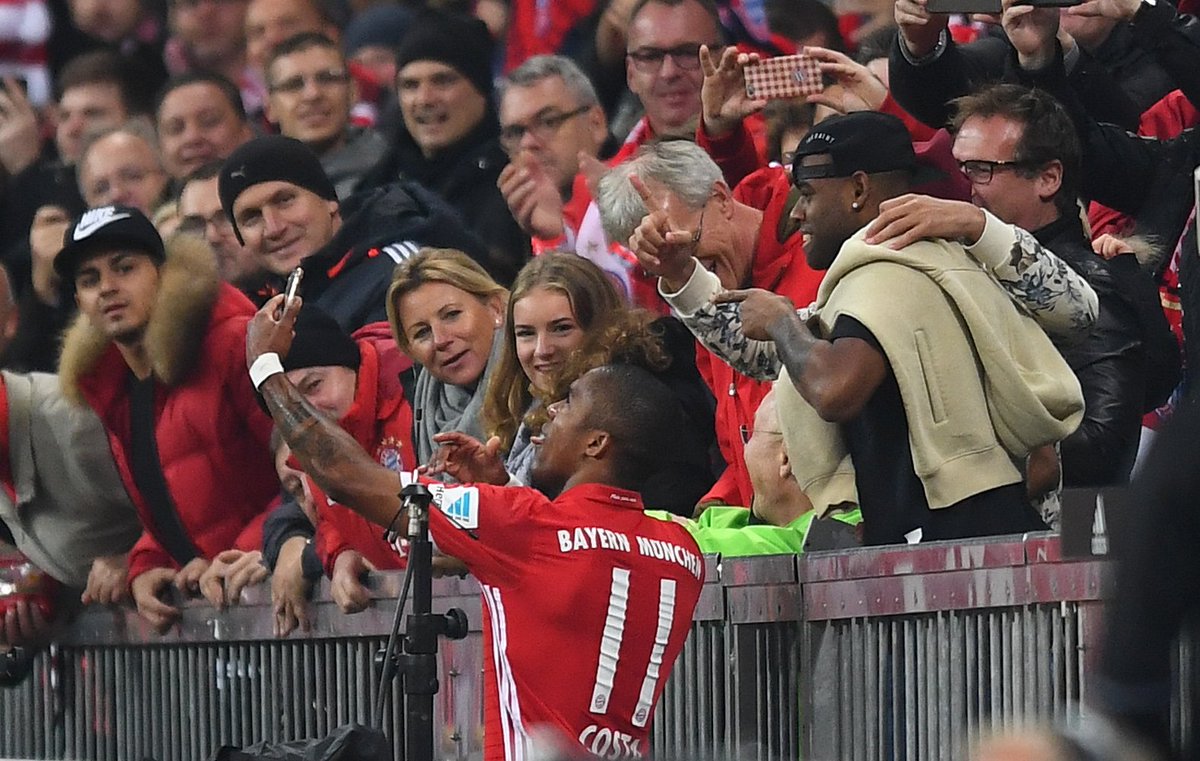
(356, 381)
(449, 139)
(447, 315)
(270, 22)
(927, 69)
(1019, 150)
(150, 354)
(285, 211)
(599, 445)
(95, 91)
(200, 118)
(309, 96)
(201, 214)
(207, 35)
(132, 28)
(731, 240)
(549, 115)
(564, 318)
(122, 167)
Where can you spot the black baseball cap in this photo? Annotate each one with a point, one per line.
(861, 141)
(107, 228)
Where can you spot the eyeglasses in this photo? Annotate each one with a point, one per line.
(541, 127)
(188, 5)
(194, 224)
(981, 172)
(686, 57)
(747, 433)
(699, 228)
(326, 78)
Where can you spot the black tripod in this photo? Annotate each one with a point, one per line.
(416, 657)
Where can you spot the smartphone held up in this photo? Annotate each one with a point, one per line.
(789, 76)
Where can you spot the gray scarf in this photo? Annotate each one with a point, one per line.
(441, 407)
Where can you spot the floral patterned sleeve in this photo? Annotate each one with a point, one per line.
(1057, 296)
(718, 327)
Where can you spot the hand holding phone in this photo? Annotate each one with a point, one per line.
(293, 287)
(789, 76)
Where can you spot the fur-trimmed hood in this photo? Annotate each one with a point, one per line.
(188, 291)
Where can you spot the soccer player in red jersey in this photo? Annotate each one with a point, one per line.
(587, 600)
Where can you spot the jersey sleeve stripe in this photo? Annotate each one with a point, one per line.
(610, 641)
(666, 617)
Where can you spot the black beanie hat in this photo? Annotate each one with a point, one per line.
(462, 42)
(268, 159)
(320, 342)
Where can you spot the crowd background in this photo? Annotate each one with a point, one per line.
(489, 199)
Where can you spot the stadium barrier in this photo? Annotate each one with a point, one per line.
(881, 653)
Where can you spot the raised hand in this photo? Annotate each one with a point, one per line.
(20, 141)
(532, 197)
(272, 329)
(919, 29)
(723, 98)
(1032, 30)
(854, 88)
(1122, 10)
(468, 460)
(660, 248)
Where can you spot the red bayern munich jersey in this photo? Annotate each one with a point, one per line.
(586, 601)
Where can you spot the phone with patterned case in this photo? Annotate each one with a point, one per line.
(789, 76)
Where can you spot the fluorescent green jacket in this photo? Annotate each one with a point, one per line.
(727, 531)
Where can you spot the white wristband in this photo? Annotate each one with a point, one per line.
(264, 367)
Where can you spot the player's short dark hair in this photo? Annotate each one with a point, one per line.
(641, 414)
(228, 89)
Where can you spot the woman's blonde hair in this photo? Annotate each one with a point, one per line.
(437, 265)
(612, 330)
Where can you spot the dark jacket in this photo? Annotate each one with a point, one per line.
(381, 227)
(1112, 362)
(1149, 179)
(465, 177)
(926, 89)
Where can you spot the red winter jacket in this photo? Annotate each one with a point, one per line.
(212, 436)
(381, 420)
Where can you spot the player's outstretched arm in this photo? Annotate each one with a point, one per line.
(337, 462)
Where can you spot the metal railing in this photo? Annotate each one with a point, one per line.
(885, 653)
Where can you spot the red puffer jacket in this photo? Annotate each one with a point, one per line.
(212, 437)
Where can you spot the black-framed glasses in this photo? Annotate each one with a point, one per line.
(981, 172)
(542, 126)
(684, 56)
(322, 79)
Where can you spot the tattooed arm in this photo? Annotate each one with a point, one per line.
(337, 462)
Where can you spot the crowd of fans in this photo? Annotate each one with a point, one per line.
(916, 305)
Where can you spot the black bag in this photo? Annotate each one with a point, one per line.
(350, 742)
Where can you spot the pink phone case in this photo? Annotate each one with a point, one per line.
(789, 76)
